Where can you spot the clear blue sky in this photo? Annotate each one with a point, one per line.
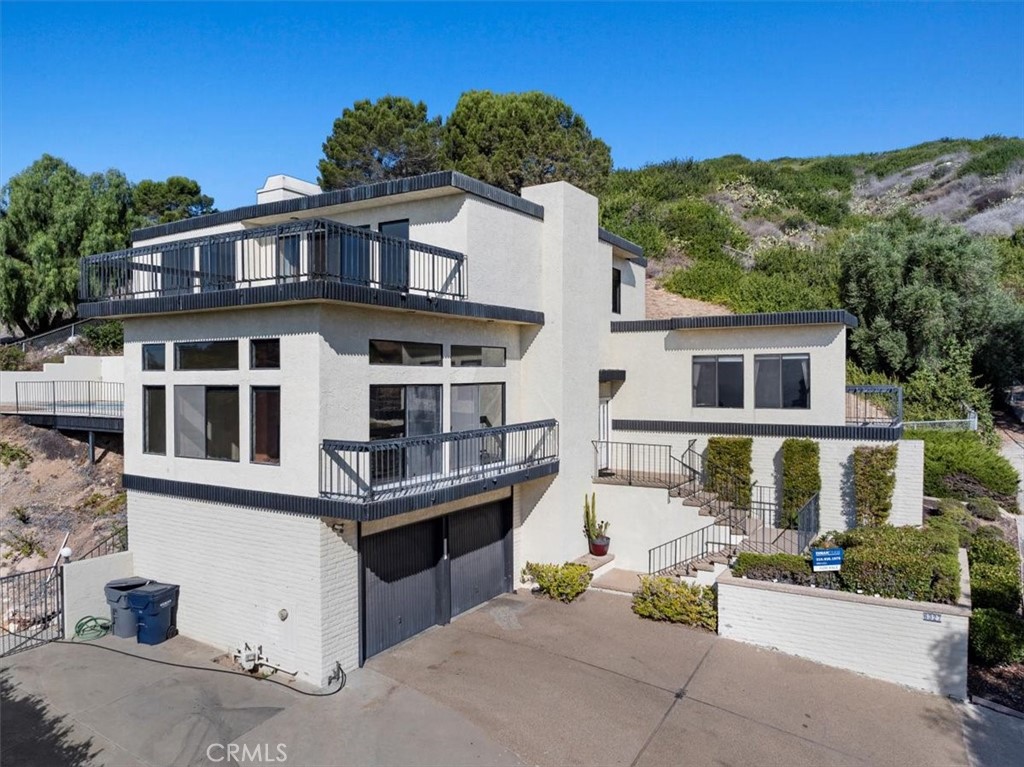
(230, 93)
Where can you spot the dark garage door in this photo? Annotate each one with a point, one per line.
(408, 584)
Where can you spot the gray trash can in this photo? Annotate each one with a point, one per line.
(123, 622)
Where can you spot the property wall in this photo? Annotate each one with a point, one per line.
(73, 368)
(238, 567)
(83, 586)
(887, 639)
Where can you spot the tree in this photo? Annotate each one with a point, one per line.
(512, 140)
(915, 288)
(377, 141)
(159, 202)
(50, 216)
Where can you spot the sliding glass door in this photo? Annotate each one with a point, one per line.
(477, 406)
(405, 411)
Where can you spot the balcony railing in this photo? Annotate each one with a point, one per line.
(94, 399)
(296, 252)
(378, 469)
(874, 405)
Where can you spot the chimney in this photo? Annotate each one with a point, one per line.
(282, 187)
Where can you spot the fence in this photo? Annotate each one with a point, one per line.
(309, 250)
(114, 543)
(32, 609)
(874, 405)
(50, 337)
(82, 398)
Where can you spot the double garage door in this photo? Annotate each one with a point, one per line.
(424, 574)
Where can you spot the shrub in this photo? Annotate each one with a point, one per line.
(21, 514)
(993, 551)
(23, 544)
(919, 185)
(784, 568)
(991, 532)
(959, 463)
(996, 638)
(664, 599)
(984, 508)
(561, 582)
(800, 477)
(10, 453)
(995, 586)
(728, 469)
(954, 518)
(874, 479)
(996, 160)
(702, 228)
(105, 338)
(11, 358)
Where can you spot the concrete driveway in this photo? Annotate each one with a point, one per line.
(521, 680)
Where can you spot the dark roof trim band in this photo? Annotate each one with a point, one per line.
(607, 376)
(623, 244)
(776, 319)
(812, 431)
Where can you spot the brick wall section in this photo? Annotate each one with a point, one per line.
(883, 638)
(237, 567)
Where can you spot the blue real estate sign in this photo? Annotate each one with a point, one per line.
(826, 560)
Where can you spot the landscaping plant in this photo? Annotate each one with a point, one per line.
(561, 582)
(728, 469)
(874, 479)
(800, 477)
(591, 527)
(996, 638)
(665, 599)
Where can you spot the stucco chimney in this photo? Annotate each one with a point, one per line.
(282, 187)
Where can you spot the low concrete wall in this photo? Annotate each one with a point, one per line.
(83, 586)
(73, 368)
(917, 644)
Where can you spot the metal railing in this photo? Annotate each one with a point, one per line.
(692, 547)
(32, 604)
(634, 463)
(874, 405)
(114, 543)
(367, 471)
(968, 423)
(774, 539)
(57, 335)
(95, 399)
(316, 249)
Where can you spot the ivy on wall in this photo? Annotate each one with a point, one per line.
(801, 477)
(728, 469)
(874, 479)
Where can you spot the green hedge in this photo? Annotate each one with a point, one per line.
(665, 599)
(952, 516)
(996, 638)
(988, 550)
(561, 582)
(995, 586)
(801, 477)
(874, 479)
(106, 337)
(728, 469)
(984, 508)
(784, 568)
(957, 464)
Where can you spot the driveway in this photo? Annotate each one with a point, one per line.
(521, 680)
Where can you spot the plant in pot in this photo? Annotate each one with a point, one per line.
(595, 531)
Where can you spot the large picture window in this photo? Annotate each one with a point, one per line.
(782, 381)
(206, 422)
(152, 356)
(477, 406)
(206, 355)
(718, 381)
(154, 420)
(478, 356)
(266, 424)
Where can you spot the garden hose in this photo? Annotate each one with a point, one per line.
(90, 627)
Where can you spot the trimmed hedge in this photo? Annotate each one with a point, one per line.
(995, 586)
(988, 550)
(561, 582)
(952, 516)
(728, 469)
(996, 638)
(874, 479)
(801, 477)
(957, 464)
(665, 599)
(784, 568)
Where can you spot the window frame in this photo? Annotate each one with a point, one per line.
(730, 358)
(401, 348)
(482, 348)
(205, 419)
(781, 357)
(163, 357)
(616, 290)
(177, 355)
(252, 353)
(252, 425)
(146, 420)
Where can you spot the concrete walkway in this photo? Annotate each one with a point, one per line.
(521, 680)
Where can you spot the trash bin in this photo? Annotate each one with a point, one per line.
(122, 620)
(155, 606)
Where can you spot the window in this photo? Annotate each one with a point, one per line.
(394, 255)
(782, 380)
(477, 406)
(404, 411)
(478, 356)
(265, 354)
(404, 353)
(616, 290)
(718, 381)
(217, 266)
(153, 356)
(206, 422)
(206, 355)
(266, 424)
(154, 420)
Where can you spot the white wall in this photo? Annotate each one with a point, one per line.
(887, 639)
(83, 586)
(73, 368)
(634, 294)
(238, 567)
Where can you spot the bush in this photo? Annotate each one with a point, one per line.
(874, 479)
(729, 470)
(987, 550)
(702, 228)
(10, 453)
(105, 338)
(984, 508)
(996, 638)
(958, 464)
(561, 582)
(990, 532)
(11, 358)
(996, 160)
(664, 599)
(995, 586)
(784, 568)
(800, 477)
(954, 518)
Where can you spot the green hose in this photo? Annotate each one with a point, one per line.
(91, 627)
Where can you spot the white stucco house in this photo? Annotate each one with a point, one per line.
(353, 415)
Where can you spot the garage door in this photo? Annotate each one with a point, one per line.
(480, 549)
(409, 585)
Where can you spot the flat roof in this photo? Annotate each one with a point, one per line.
(775, 319)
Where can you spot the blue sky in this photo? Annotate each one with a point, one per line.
(230, 93)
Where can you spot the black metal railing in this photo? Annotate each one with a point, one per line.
(874, 405)
(634, 463)
(96, 399)
(114, 543)
(795, 539)
(32, 609)
(678, 554)
(367, 471)
(316, 249)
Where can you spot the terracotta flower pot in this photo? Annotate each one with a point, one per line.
(599, 546)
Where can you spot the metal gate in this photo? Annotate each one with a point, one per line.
(480, 550)
(33, 609)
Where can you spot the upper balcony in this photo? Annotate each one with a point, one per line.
(312, 259)
(874, 405)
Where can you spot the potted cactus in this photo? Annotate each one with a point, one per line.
(596, 532)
